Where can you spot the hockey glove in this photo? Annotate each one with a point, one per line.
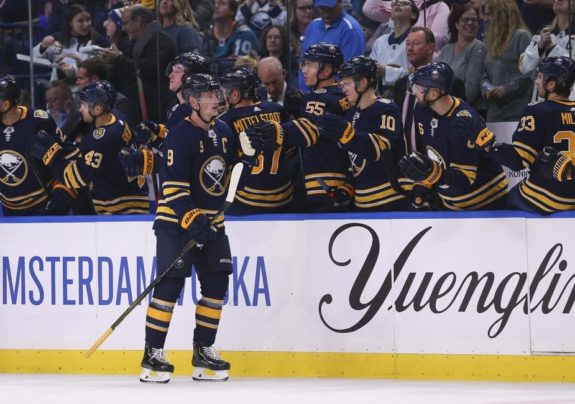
(335, 127)
(420, 169)
(475, 131)
(61, 199)
(553, 164)
(343, 195)
(198, 227)
(138, 162)
(269, 134)
(251, 145)
(44, 147)
(147, 132)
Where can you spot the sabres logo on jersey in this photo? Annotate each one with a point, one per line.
(433, 154)
(99, 133)
(39, 113)
(464, 112)
(13, 168)
(213, 176)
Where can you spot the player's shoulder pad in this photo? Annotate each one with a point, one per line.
(40, 113)
(98, 133)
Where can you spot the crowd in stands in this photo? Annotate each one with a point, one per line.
(494, 49)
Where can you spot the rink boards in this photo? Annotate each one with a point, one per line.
(485, 296)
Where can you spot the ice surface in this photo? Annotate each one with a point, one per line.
(87, 389)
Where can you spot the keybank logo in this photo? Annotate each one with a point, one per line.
(451, 291)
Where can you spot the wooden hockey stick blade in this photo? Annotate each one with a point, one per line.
(93, 348)
(230, 196)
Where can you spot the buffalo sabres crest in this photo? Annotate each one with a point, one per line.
(13, 168)
(356, 167)
(99, 133)
(213, 176)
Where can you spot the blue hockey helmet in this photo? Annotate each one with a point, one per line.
(192, 62)
(9, 89)
(99, 92)
(559, 68)
(198, 83)
(324, 53)
(434, 75)
(359, 67)
(240, 78)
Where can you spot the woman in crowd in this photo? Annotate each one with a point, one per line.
(275, 43)
(505, 88)
(300, 15)
(464, 53)
(117, 37)
(552, 40)
(389, 49)
(63, 49)
(433, 15)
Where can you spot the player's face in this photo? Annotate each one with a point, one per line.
(176, 76)
(347, 85)
(85, 111)
(540, 85)
(4, 106)
(310, 70)
(209, 104)
(419, 93)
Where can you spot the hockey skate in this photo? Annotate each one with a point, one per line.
(155, 366)
(208, 366)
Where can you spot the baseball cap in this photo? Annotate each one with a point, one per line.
(325, 3)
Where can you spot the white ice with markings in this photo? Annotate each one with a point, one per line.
(63, 389)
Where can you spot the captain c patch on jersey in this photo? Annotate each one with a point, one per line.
(213, 176)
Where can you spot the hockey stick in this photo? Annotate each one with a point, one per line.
(234, 180)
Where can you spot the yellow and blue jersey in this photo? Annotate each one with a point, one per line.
(549, 123)
(269, 188)
(194, 174)
(98, 169)
(475, 180)
(23, 180)
(378, 137)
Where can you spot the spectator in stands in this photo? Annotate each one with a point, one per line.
(275, 43)
(203, 11)
(334, 26)
(420, 45)
(433, 16)
(464, 53)
(551, 41)
(260, 14)
(177, 21)
(140, 76)
(63, 48)
(389, 50)
(117, 37)
(301, 13)
(506, 90)
(94, 69)
(536, 14)
(59, 102)
(478, 5)
(227, 40)
(274, 88)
